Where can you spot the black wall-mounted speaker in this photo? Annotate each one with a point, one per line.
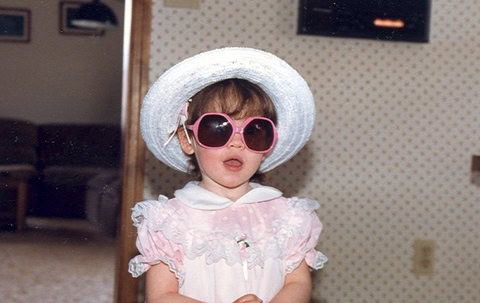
(394, 20)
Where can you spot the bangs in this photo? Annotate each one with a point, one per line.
(237, 98)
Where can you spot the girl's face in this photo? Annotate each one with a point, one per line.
(226, 171)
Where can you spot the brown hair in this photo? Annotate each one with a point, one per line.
(237, 98)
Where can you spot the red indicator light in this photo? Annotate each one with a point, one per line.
(390, 23)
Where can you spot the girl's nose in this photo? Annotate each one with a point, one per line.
(237, 141)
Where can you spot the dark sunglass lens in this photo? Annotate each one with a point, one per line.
(214, 131)
(259, 135)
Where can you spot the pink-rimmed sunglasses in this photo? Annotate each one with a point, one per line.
(216, 130)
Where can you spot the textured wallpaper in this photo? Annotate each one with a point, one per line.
(389, 160)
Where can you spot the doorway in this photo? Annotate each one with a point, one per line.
(68, 86)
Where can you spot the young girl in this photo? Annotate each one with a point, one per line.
(227, 115)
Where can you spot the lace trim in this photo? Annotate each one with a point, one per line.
(303, 204)
(318, 261)
(315, 260)
(139, 264)
(136, 267)
(217, 245)
(139, 211)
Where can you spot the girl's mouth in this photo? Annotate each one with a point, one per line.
(233, 164)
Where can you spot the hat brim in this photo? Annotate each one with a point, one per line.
(288, 91)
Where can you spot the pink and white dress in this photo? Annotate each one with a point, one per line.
(221, 250)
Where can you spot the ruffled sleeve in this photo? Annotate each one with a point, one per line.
(156, 239)
(305, 229)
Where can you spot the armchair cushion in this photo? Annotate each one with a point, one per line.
(79, 145)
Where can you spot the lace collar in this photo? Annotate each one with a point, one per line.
(197, 197)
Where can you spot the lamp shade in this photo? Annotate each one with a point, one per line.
(94, 15)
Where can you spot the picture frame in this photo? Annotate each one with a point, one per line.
(15, 25)
(67, 11)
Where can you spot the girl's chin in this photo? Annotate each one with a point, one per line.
(233, 184)
(230, 183)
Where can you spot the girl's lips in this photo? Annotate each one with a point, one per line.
(233, 164)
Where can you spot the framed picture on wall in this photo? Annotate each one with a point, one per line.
(15, 25)
(68, 10)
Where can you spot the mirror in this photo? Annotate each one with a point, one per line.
(60, 179)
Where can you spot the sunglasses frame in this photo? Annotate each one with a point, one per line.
(235, 129)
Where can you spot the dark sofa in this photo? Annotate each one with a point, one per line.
(18, 160)
(68, 163)
(69, 156)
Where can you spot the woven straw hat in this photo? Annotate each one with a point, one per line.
(288, 91)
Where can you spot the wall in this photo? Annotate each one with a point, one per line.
(389, 161)
(61, 78)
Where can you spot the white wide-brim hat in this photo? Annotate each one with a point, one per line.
(288, 91)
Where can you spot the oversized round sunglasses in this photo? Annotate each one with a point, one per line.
(216, 130)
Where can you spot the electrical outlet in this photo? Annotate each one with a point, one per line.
(423, 258)
(194, 4)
